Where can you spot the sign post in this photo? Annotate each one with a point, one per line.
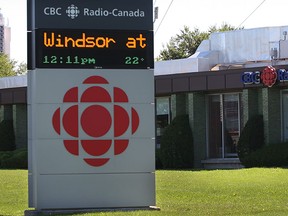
(91, 105)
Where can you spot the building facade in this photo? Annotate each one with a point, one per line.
(5, 36)
(219, 104)
(13, 106)
(231, 77)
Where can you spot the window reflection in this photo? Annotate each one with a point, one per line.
(223, 125)
(162, 117)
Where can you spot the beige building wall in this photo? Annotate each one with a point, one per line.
(5, 36)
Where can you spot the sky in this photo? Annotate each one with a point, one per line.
(192, 13)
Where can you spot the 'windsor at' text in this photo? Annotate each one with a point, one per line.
(58, 40)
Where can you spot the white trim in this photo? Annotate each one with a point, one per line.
(13, 82)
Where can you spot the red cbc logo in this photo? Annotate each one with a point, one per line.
(269, 76)
(96, 120)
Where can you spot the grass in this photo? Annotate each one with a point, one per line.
(256, 191)
(13, 192)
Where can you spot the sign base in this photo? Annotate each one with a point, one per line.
(83, 211)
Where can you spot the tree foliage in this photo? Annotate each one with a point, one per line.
(20, 68)
(10, 67)
(186, 43)
(6, 66)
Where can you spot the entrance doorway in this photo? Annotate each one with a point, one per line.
(223, 125)
(285, 115)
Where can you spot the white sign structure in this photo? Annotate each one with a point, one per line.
(91, 129)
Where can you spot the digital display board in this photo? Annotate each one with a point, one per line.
(102, 49)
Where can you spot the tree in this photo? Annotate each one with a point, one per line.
(6, 66)
(20, 68)
(186, 43)
(223, 28)
(10, 67)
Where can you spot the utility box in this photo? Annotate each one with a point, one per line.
(283, 49)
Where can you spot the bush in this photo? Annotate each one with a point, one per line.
(17, 159)
(275, 155)
(159, 164)
(176, 149)
(7, 137)
(4, 156)
(251, 138)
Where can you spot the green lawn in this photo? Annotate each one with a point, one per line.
(221, 192)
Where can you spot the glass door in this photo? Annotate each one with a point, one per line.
(215, 126)
(223, 125)
(231, 126)
(285, 115)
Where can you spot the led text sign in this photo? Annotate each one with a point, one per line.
(107, 49)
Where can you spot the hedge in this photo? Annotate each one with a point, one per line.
(7, 137)
(176, 150)
(17, 159)
(251, 137)
(274, 155)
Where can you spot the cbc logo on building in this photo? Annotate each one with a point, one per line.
(72, 11)
(99, 113)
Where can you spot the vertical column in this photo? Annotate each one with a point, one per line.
(178, 104)
(197, 116)
(250, 102)
(272, 115)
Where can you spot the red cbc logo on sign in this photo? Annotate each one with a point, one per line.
(96, 120)
(269, 76)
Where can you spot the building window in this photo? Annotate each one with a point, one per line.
(6, 112)
(162, 117)
(17, 114)
(285, 115)
(223, 125)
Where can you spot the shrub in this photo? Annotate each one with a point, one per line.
(176, 149)
(159, 164)
(7, 138)
(17, 159)
(275, 155)
(251, 138)
(4, 156)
